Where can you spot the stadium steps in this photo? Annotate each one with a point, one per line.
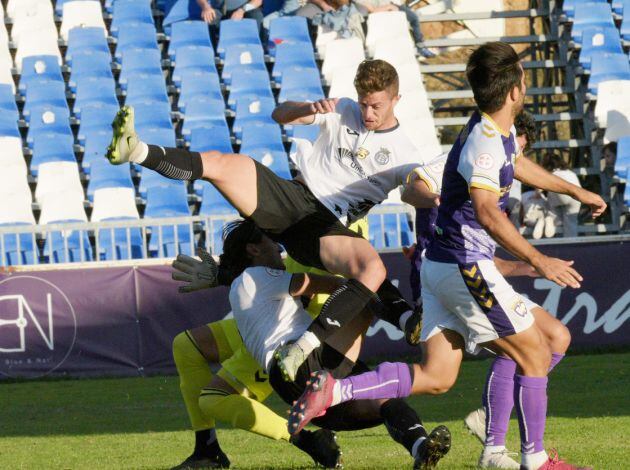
(462, 120)
(478, 41)
(453, 68)
(534, 91)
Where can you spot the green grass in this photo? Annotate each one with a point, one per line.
(141, 423)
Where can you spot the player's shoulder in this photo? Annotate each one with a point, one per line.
(484, 138)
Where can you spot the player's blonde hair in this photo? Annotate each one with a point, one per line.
(376, 75)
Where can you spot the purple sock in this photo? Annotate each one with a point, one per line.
(555, 359)
(530, 396)
(498, 400)
(388, 380)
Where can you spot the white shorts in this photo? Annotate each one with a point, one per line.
(474, 300)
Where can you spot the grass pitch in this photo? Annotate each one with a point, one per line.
(141, 423)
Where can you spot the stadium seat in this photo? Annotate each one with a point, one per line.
(14, 183)
(249, 85)
(275, 160)
(51, 147)
(389, 230)
(136, 36)
(35, 45)
(48, 119)
(242, 57)
(421, 131)
(261, 136)
(203, 112)
(81, 13)
(90, 64)
(613, 99)
(193, 59)
(169, 202)
(114, 203)
(382, 25)
(288, 29)
(188, 33)
(126, 13)
(16, 7)
(105, 175)
(19, 249)
(342, 84)
(86, 38)
(7, 100)
(410, 77)
(44, 92)
(57, 177)
(34, 18)
(37, 68)
(622, 165)
(599, 40)
(589, 15)
(258, 111)
(309, 133)
(142, 88)
(203, 139)
(198, 84)
(96, 117)
(624, 29)
(139, 64)
(301, 85)
(568, 6)
(342, 53)
(164, 136)
(606, 66)
(152, 114)
(152, 179)
(95, 145)
(213, 204)
(237, 32)
(397, 50)
(6, 66)
(12, 154)
(94, 90)
(292, 54)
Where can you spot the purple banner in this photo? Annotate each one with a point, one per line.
(121, 321)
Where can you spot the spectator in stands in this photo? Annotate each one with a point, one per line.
(342, 17)
(609, 155)
(526, 135)
(561, 207)
(288, 8)
(536, 214)
(214, 11)
(376, 6)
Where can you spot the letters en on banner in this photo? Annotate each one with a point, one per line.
(121, 321)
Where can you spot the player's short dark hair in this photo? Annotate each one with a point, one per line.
(525, 125)
(235, 259)
(376, 75)
(493, 70)
(552, 161)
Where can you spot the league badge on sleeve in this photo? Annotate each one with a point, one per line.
(484, 161)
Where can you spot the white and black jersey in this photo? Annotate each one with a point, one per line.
(351, 169)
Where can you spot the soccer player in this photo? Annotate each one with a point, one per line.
(491, 427)
(265, 300)
(360, 155)
(467, 303)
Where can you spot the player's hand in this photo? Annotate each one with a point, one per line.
(197, 274)
(558, 270)
(521, 268)
(238, 14)
(594, 201)
(208, 14)
(324, 106)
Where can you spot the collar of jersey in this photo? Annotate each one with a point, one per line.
(391, 129)
(495, 125)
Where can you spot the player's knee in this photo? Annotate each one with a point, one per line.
(560, 338)
(442, 385)
(372, 273)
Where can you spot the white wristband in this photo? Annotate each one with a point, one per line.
(247, 7)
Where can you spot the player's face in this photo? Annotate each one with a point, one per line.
(377, 110)
(270, 253)
(519, 101)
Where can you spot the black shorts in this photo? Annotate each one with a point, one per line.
(347, 416)
(291, 215)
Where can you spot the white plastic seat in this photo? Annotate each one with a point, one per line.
(342, 84)
(383, 25)
(4, 35)
(36, 44)
(613, 99)
(410, 77)
(324, 37)
(16, 208)
(84, 13)
(422, 134)
(16, 8)
(6, 66)
(14, 180)
(58, 177)
(62, 206)
(114, 202)
(494, 27)
(397, 50)
(36, 19)
(11, 154)
(342, 53)
(412, 105)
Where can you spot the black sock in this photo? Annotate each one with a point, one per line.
(402, 423)
(342, 306)
(393, 304)
(206, 443)
(176, 164)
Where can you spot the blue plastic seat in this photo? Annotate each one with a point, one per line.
(288, 29)
(599, 40)
(291, 55)
(136, 36)
(39, 67)
(178, 11)
(569, 6)
(44, 92)
(195, 84)
(20, 248)
(96, 116)
(243, 57)
(143, 88)
(92, 90)
(90, 64)
(237, 32)
(624, 30)
(88, 38)
(95, 146)
(193, 59)
(140, 62)
(252, 112)
(57, 241)
(51, 147)
(203, 139)
(306, 132)
(276, 160)
(622, 165)
(375, 229)
(302, 84)
(213, 202)
(9, 125)
(385, 230)
(606, 66)
(589, 15)
(7, 100)
(189, 33)
(249, 85)
(171, 201)
(265, 136)
(127, 243)
(125, 13)
(164, 136)
(202, 112)
(46, 118)
(105, 175)
(150, 114)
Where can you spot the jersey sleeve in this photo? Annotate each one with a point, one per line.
(431, 173)
(329, 120)
(268, 282)
(480, 162)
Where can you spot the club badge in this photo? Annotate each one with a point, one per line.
(382, 156)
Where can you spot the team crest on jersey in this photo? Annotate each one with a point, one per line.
(519, 307)
(274, 272)
(382, 156)
(484, 161)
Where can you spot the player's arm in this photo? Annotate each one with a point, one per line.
(509, 268)
(418, 193)
(532, 174)
(486, 205)
(302, 113)
(309, 284)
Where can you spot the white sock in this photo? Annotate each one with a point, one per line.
(336, 394)
(403, 319)
(308, 342)
(493, 449)
(139, 153)
(414, 449)
(534, 461)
